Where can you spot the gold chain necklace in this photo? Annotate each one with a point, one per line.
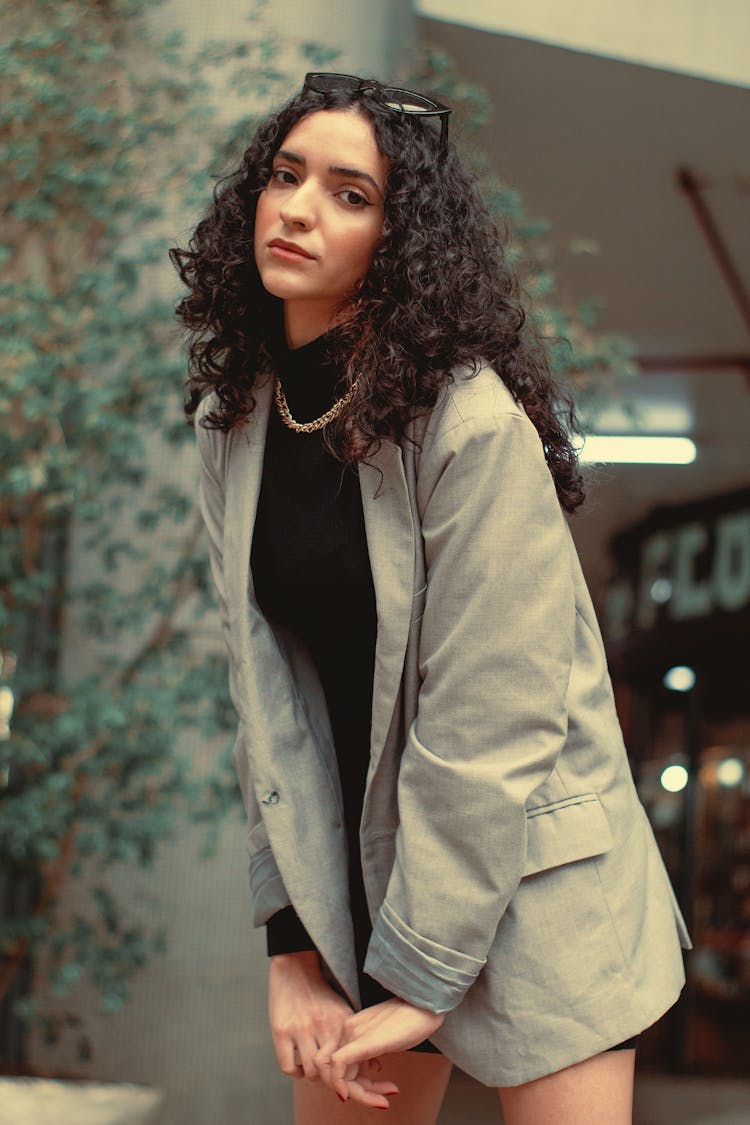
(309, 427)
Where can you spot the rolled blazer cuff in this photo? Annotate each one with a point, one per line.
(416, 969)
(269, 895)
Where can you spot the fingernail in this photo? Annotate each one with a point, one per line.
(338, 1095)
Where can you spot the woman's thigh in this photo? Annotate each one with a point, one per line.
(598, 1091)
(422, 1079)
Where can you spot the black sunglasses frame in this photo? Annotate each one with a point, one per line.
(320, 82)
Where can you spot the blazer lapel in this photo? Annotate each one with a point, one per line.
(389, 527)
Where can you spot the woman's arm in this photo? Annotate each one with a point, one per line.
(211, 444)
(495, 656)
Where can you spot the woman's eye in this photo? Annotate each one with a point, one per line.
(283, 176)
(354, 198)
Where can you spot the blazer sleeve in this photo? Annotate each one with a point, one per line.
(285, 933)
(495, 656)
(269, 893)
(211, 504)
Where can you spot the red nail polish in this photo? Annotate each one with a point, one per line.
(338, 1095)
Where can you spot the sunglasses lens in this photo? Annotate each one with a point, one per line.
(408, 101)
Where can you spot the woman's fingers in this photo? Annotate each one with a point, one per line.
(342, 1080)
(350, 1058)
(322, 1060)
(354, 1083)
(364, 1044)
(308, 1049)
(303, 1011)
(289, 1058)
(383, 1087)
(366, 1091)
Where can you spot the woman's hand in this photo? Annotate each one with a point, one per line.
(305, 1012)
(394, 1025)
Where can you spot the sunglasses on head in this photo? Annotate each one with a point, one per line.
(395, 98)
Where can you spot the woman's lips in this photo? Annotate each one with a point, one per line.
(289, 251)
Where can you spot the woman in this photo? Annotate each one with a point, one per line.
(445, 841)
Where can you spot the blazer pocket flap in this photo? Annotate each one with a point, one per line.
(571, 829)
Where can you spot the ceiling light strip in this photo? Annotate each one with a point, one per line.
(637, 449)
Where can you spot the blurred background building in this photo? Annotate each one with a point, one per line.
(623, 125)
(626, 126)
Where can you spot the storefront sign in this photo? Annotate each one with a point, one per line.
(685, 570)
(678, 559)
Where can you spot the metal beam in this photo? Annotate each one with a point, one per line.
(690, 186)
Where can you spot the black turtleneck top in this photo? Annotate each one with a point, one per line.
(311, 572)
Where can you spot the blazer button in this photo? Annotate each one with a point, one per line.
(271, 798)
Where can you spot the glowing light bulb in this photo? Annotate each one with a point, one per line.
(730, 772)
(679, 678)
(661, 590)
(674, 778)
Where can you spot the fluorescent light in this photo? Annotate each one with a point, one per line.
(637, 449)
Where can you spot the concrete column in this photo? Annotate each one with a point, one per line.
(373, 37)
(196, 1027)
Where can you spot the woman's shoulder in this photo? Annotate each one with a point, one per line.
(212, 443)
(203, 433)
(473, 395)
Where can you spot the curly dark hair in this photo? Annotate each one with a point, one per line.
(439, 295)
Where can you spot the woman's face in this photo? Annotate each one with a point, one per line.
(320, 217)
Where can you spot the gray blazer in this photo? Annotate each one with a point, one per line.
(512, 878)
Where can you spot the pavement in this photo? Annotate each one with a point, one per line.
(659, 1100)
(45, 1101)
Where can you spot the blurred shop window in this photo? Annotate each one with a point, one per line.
(717, 1037)
(720, 971)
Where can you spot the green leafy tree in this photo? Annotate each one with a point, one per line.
(108, 131)
(106, 134)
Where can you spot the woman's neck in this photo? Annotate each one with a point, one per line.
(305, 321)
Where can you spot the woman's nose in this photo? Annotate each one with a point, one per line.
(298, 209)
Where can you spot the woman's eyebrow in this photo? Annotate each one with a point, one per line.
(354, 174)
(337, 170)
